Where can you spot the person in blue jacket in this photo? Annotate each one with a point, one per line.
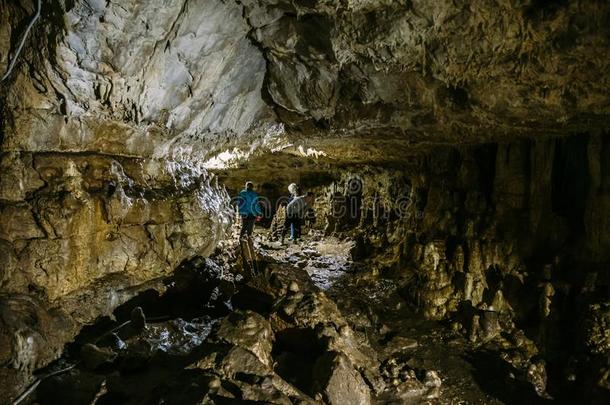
(249, 209)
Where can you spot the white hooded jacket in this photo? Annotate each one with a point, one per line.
(297, 207)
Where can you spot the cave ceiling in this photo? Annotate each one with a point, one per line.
(350, 81)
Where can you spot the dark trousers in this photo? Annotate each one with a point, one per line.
(247, 226)
(294, 225)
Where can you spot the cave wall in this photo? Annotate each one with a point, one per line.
(97, 198)
(507, 241)
(515, 206)
(389, 67)
(161, 77)
(80, 234)
(131, 78)
(77, 218)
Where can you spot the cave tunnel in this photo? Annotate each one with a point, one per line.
(447, 164)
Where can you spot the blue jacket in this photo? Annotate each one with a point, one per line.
(248, 204)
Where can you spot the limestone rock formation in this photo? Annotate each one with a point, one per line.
(343, 384)
(112, 112)
(495, 237)
(81, 234)
(189, 73)
(131, 79)
(425, 68)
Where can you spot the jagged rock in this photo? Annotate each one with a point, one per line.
(293, 287)
(263, 391)
(255, 380)
(433, 382)
(251, 331)
(317, 312)
(339, 382)
(409, 384)
(241, 360)
(94, 357)
(536, 375)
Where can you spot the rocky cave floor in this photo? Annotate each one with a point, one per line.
(312, 326)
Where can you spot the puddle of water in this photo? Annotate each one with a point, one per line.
(325, 260)
(177, 336)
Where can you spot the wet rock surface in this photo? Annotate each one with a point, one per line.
(82, 234)
(243, 356)
(493, 256)
(277, 337)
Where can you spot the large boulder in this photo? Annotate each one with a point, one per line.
(339, 382)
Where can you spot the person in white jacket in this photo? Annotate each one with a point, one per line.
(295, 214)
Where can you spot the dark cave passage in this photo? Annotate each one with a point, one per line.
(409, 284)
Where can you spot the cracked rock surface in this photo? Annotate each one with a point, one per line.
(81, 234)
(115, 110)
(160, 77)
(133, 78)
